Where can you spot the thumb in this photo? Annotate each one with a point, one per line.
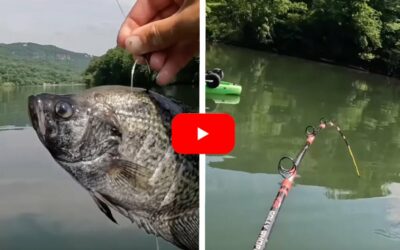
(158, 35)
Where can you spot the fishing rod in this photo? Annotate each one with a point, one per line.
(289, 175)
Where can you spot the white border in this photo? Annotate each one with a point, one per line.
(202, 109)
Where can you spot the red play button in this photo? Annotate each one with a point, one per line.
(203, 133)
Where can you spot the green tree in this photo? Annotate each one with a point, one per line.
(115, 67)
(358, 32)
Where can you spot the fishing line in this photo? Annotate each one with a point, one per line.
(134, 64)
(157, 245)
(348, 146)
(287, 168)
(120, 8)
(132, 74)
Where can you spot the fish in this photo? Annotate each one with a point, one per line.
(116, 142)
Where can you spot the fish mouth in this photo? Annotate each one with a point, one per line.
(37, 116)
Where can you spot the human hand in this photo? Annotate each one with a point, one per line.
(165, 31)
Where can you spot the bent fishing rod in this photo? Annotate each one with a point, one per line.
(289, 175)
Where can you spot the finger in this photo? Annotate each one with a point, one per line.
(154, 36)
(161, 34)
(176, 61)
(141, 13)
(179, 2)
(167, 12)
(125, 31)
(157, 60)
(144, 10)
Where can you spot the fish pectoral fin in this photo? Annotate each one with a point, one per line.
(103, 207)
(127, 174)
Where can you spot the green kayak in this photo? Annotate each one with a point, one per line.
(225, 88)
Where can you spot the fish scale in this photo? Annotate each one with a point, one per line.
(117, 145)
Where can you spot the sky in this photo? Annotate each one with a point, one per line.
(88, 26)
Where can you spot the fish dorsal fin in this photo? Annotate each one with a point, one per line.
(127, 174)
(166, 104)
(103, 206)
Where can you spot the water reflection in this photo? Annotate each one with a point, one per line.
(214, 100)
(282, 95)
(392, 214)
(13, 101)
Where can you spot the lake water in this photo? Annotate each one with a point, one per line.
(329, 207)
(41, 206)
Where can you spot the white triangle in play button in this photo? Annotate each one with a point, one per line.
(201, 134)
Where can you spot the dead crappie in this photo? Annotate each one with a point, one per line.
(116, 142)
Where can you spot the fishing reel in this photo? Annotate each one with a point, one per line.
(286, 167)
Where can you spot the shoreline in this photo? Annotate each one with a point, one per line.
(61, 84)
(41, 85)
(328, 61)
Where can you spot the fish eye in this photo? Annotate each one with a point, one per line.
(63, 110)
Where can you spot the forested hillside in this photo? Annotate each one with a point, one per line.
(31, 64)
